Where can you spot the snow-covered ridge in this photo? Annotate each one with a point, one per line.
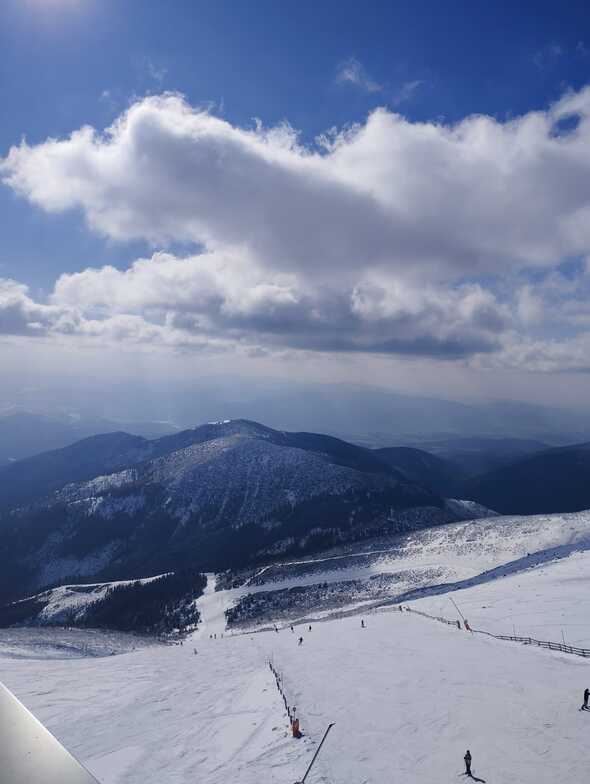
(435, 560)
(67, 604)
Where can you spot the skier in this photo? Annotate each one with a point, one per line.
(362, 624)
(300, 641)
(292, 629)
(310, 627)
(195, 651)
(467, 759)
(586, 696)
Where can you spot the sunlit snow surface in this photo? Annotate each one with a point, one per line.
(408, 695)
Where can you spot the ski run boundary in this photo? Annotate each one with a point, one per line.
(552, 646)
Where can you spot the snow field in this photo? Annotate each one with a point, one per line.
(409, 696)
(164, 715)
(541, 602)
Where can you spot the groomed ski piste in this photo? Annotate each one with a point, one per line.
(408, 695)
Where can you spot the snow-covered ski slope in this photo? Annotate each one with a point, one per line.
(166, 715)
(455, 554)
(546, 602)
(408, 695)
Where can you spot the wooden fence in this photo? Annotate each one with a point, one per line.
(552, 646)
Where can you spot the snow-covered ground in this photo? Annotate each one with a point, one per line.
(545, 602)
(166, 714)
(450, 554)
(66, 603)
(408, 695)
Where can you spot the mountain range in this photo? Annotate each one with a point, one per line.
(552, 480)
(235, 492)
(118, 506)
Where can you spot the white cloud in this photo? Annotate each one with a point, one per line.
(21, 315)
(477, 197)
(351, 71)
(529, 306)
(221, 298)
(406, 91)
(379, 241)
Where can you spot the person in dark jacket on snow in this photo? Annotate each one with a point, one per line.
(586, 697)
(467, 759)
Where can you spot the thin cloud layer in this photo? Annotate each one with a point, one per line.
(389, 237)
(352, 71)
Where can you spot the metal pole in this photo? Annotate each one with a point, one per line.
(316, 754)
(458, 610)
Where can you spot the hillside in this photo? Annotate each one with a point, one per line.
(407, 695)
(431, 562)
(26, 480)
(156, 605)
(554, 480)
(440, 475)
(212, 497)
(475, 455)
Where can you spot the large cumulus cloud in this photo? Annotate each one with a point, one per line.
(390, 236)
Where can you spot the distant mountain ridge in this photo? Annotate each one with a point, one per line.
(210, 497)
(417, 465)
(553, 480)
(26, 433)
(25, 480)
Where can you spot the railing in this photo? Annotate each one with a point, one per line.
(438, 618)
(552, 646)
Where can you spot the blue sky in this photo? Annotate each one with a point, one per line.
(66, 64)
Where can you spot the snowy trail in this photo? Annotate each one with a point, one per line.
(212, 606)
(409, 697)
(166, 715)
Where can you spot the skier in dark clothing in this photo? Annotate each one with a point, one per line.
(362, 624)
(300, 641)
(467, 759)
(586, 696)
